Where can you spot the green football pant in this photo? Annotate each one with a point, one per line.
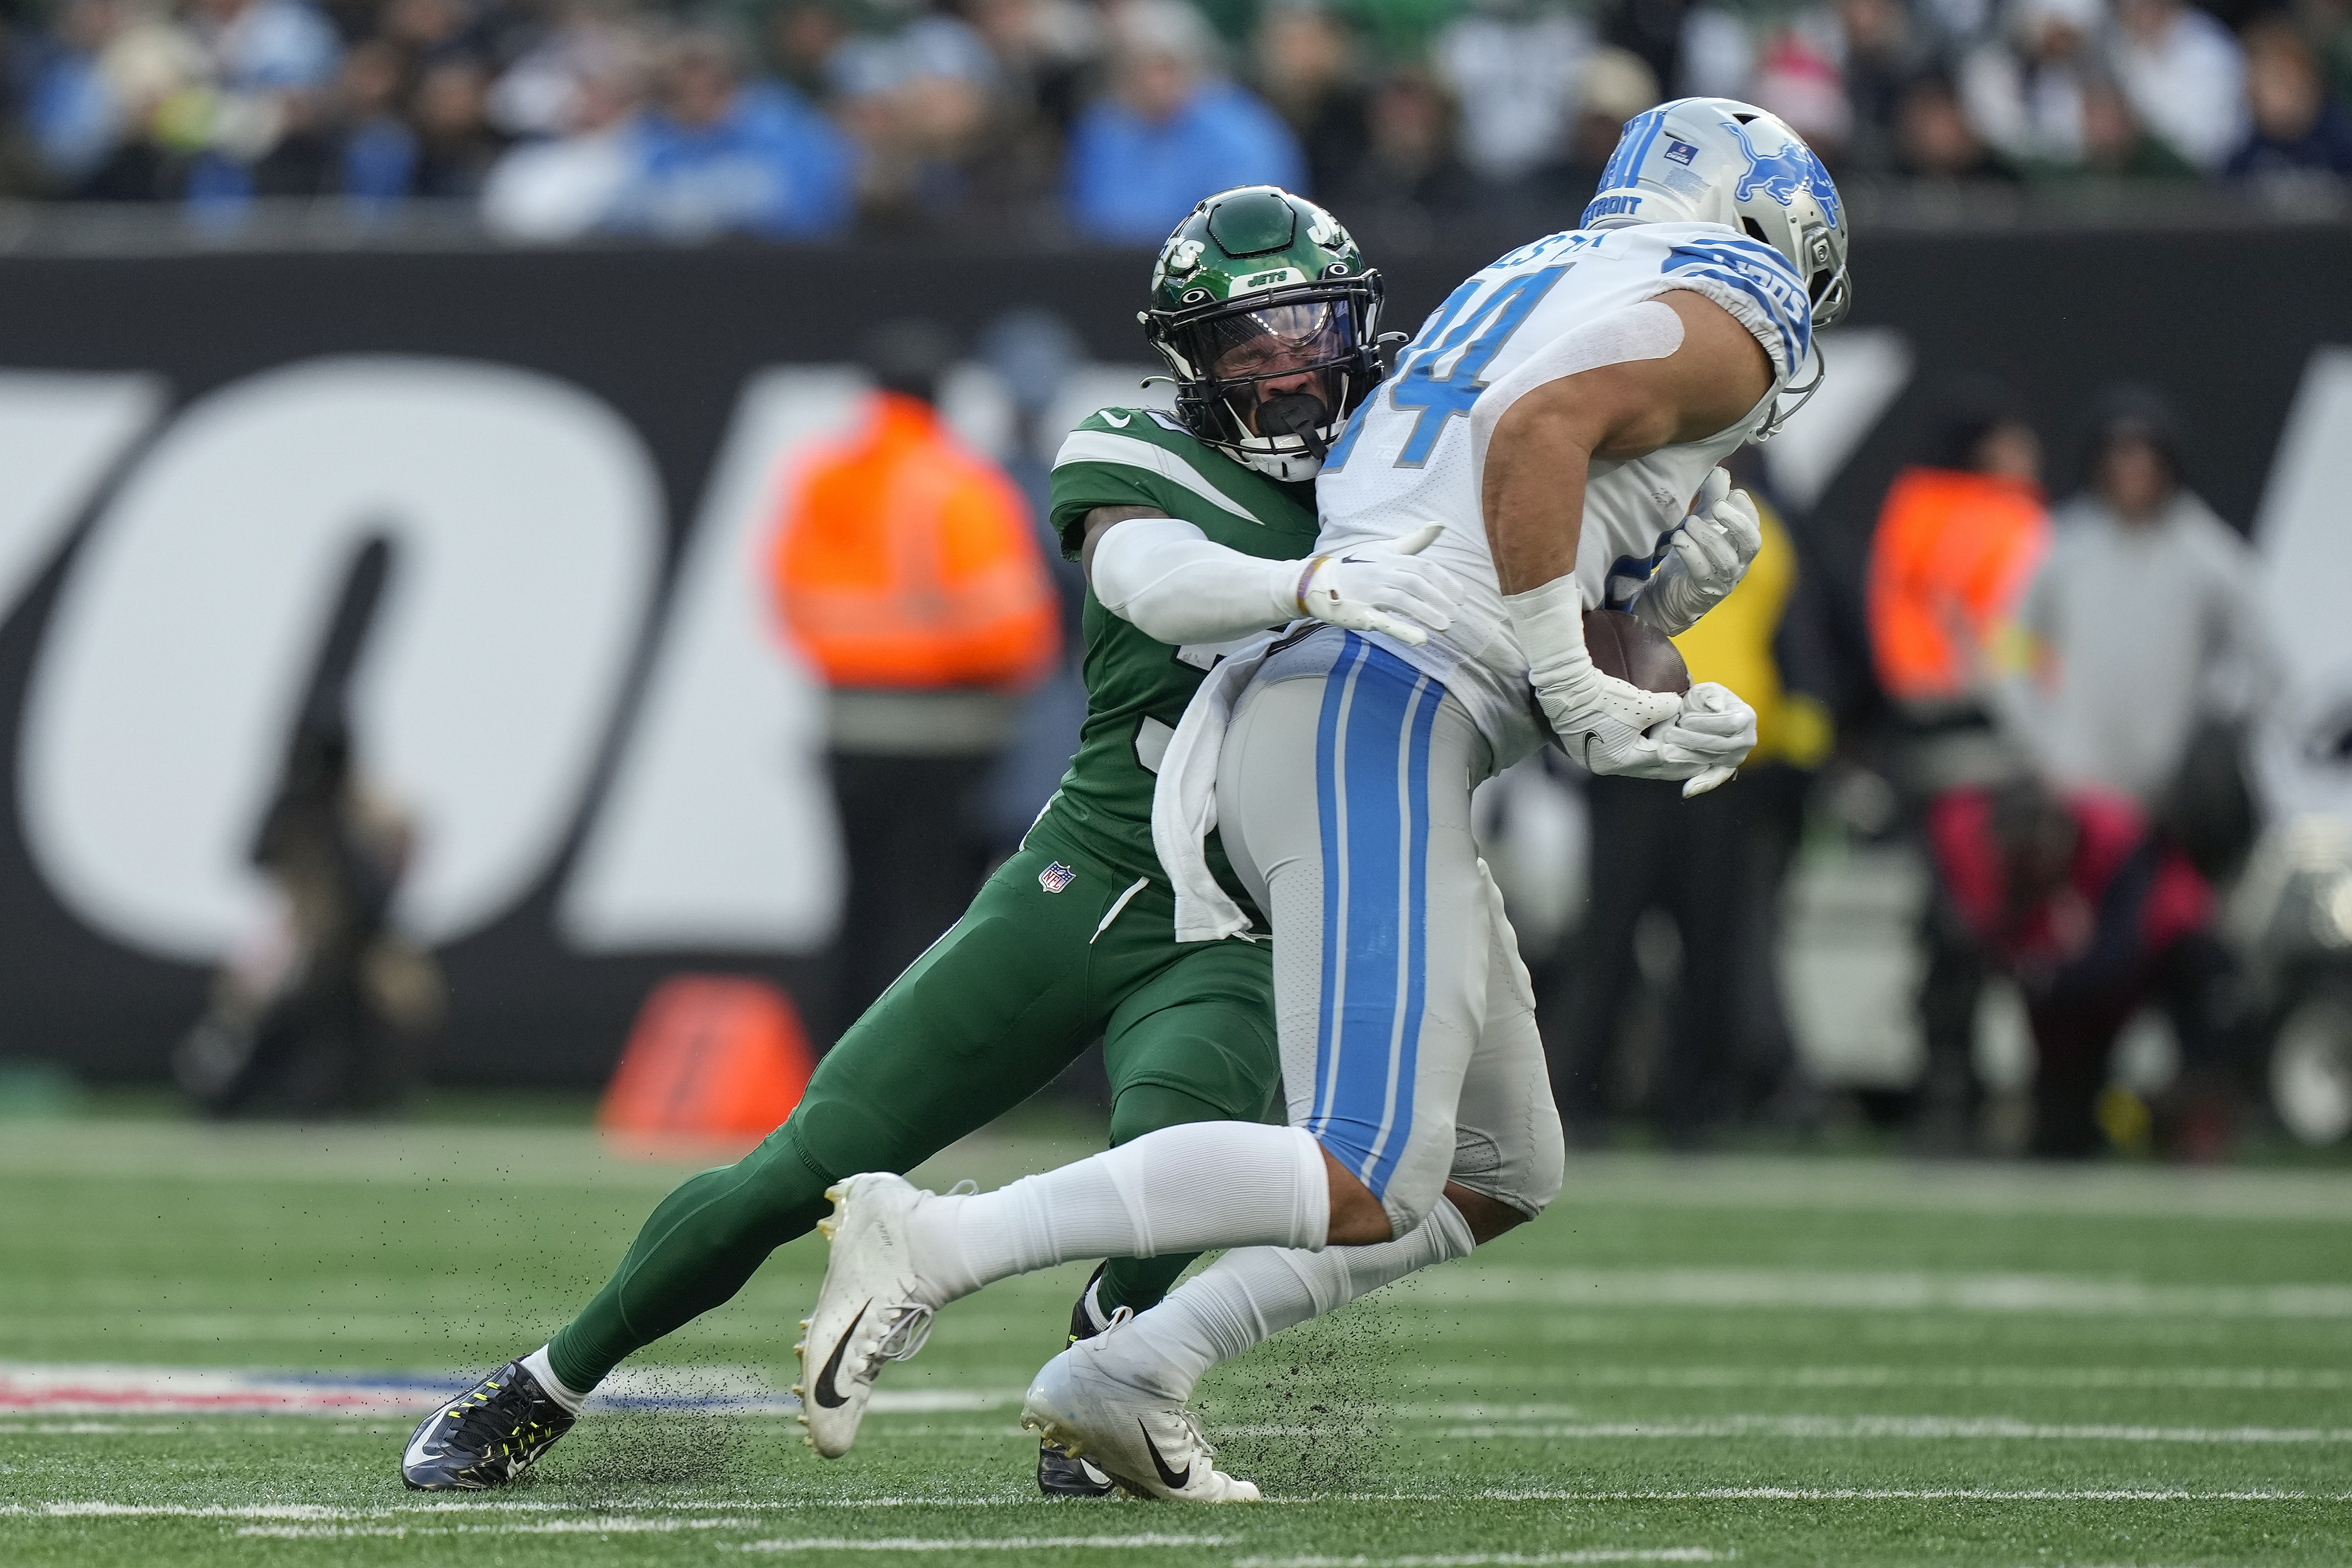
(989, 1015)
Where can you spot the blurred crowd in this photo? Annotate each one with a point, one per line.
(1105, 119)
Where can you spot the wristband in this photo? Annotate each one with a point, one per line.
(1299, 594)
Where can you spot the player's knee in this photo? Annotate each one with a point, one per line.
(1409, 1202)
(1149, 1107)
(1407, 1177)
(1523, 1170)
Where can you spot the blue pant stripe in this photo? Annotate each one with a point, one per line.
(1366, 1004)
(1372, 749)
(1422, 723)
(1336, 689)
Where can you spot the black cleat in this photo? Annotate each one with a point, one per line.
(1062, 1474)
(1059, 1472)
(487, 1436)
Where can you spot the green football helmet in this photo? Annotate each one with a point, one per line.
(1262, 307)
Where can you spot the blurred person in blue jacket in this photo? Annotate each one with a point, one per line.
(716, 153)
(272, 62)
(72, 114)
(2299, 129)
(1170, 132)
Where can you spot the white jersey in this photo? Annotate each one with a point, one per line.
(1405, 458)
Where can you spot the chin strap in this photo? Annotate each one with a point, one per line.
(1300, 415)
(1781, 414)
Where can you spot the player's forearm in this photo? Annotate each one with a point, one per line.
(1533, 499)
(1174, 584)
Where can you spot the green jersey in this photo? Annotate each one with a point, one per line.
(1137, 688)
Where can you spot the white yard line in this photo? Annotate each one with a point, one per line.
(2223, 1379)
(1989, 1427)
(1876, 1290)
(1895, 1494)
(444, 1516)
(1482, 1559)
(968, 1544)
(176, 1510)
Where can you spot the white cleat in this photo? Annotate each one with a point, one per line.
(867, 1312)
(1149, 1444)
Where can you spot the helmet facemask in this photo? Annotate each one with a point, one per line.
(1272, 380)
(1827, 284)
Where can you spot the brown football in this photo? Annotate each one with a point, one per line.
(1633, 652)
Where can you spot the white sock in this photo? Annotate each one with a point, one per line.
(1248, 1296)
(539, 1366)
(1180, 1189)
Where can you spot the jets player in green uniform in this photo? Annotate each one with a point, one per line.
(1196, 529)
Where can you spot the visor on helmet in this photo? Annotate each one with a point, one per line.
(1270, 376)
(1252, 360)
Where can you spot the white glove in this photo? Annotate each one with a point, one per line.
(1167, 578)
(1598, 720)
(1381, 587)
(1713, 727)
(1709, 553)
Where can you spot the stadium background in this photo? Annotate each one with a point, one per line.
(665, 815)
(1800, 1350)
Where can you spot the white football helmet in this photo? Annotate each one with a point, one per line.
(1718, 161)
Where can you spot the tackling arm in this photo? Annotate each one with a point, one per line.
(1675, 369)
(1175, 584)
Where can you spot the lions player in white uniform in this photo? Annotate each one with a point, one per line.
(1560, 416)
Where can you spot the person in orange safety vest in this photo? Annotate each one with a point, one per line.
(906, 572)
(1959, 541)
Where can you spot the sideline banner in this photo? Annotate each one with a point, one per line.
(573, 459)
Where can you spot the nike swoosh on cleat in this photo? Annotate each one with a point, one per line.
(827, 1394)
(1175, 1480)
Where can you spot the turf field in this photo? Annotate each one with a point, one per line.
(1755, 1361)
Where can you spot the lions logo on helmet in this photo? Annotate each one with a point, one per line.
(1264, 309)
(1718, 161)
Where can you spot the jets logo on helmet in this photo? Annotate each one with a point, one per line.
(1718, 161)
(1267, 316)
(1182, 259)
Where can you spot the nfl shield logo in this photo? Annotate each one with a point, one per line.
(1056, 877)
(1679, 151)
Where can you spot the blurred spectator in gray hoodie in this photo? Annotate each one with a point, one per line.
(2145, 621)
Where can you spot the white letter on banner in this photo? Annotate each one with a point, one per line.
(2307, 550)
(1874, 366)
(718, 829)
(59, 432)
(526, 527)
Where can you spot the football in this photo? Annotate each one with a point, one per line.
(1634, 652)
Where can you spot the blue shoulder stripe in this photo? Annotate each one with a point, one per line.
(1764, 275)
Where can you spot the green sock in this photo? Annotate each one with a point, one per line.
(696, 1251)
(1138, 1283)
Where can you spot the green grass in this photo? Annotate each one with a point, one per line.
(1753, 1360)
